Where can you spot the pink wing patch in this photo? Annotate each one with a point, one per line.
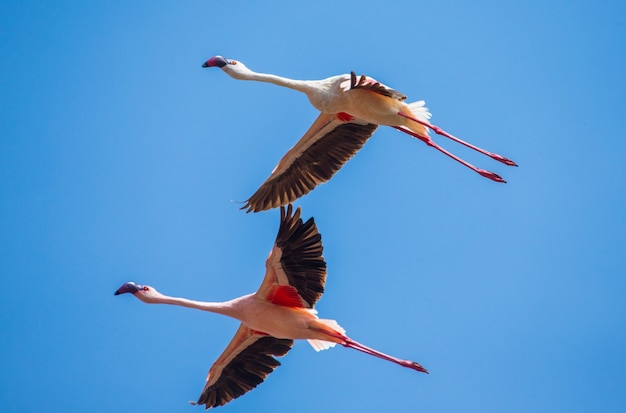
(344, 117)
(285, 295)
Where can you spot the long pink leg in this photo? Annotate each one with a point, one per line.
(442, 132)
(487, 174)
(348, 342)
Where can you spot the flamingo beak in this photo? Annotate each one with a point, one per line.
(129, 287)
(215, 61)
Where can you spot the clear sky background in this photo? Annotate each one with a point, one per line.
(122, 159)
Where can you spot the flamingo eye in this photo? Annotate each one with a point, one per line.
(233, 62)
(146, 288)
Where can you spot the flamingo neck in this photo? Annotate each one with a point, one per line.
(225, 308)
(299, 85)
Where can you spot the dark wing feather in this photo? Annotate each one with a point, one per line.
(245, 371)
(367, 83)
(301, 257)
(317, 164)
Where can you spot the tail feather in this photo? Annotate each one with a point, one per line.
(319, 345)
(418, 111)
(333, 325)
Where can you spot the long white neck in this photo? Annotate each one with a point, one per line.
(228, 308)
(243, 73)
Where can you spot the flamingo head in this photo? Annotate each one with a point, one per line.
(217, 61)
(145, 293)
(234, 68)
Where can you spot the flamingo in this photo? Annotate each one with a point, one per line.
(280, 311)
(351, 109)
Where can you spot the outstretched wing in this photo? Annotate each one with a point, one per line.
(328, 144)
(367, 83)
(245, 363)
(296, 259)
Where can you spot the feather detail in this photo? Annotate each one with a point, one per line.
(319, 345)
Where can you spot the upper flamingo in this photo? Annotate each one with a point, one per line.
(351, 109)
(271, 318)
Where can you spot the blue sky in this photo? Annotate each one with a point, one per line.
(122, 159)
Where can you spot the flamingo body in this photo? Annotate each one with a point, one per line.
(280, 311)
(351, 108)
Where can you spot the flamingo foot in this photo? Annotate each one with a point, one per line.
(414, 365)
(491, 175)
(502, 159)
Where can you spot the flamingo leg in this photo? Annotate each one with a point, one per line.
(348, 342)
(487, 174)
(440, 131)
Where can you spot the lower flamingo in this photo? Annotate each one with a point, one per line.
(271, 318)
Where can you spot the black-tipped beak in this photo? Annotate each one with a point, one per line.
(129, 287)
(215, 61)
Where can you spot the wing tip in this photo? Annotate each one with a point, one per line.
(264, 200)
(229, 387)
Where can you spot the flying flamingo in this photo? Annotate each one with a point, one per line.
(278, 313)
(351, 109)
